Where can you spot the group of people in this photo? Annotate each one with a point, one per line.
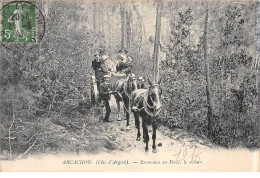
(124, 65)
(125, 62)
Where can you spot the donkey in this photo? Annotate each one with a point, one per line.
(124, 88)
(146, 104)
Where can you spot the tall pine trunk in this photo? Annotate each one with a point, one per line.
(128, 30)
(122, 14)
(207, 73)
(102, 39)
(95, 23)
(156, 60)
(109, 32)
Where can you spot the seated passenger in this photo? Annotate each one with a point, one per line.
(128, 67)
(122, 57)
(107, 61)
(104, 67)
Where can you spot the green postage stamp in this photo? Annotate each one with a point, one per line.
(18, 23)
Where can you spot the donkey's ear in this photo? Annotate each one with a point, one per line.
(149, 81)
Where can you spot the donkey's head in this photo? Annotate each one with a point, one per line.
(154, 95)
(131, 83)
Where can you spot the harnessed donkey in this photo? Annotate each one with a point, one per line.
(124, 88)
(146, 104)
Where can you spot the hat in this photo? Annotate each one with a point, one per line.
(106, 76)
(105, 57)
(96, 53)
(140, 78)
(123, 50)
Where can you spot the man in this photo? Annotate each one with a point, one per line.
(122, 57)
(105, 92)
(128, 67)
(96, 65)
(104, 66)
(140, 83)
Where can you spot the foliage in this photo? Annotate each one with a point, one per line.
(37, 84)
(233, 79)
(50, 84)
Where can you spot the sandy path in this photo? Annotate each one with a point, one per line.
(173, 141)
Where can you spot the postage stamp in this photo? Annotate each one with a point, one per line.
(19, 22)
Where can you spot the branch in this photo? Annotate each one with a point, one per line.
(9, 132)
(2, 126)
(37, 132)
(34, 135)
(20, 156)
(10, 138)
(21, 131)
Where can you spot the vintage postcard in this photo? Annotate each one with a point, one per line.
(129, 85)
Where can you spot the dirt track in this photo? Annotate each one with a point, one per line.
(113, 137)
(96, 137)
(88, 135)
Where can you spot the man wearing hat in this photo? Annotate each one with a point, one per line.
(104, 93)
(140, 83)
(104, 66)
(96, 65)
(122, 57)
(128, 67)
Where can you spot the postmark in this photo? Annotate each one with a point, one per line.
(22, 25)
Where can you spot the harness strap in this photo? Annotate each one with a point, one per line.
(152, 114)
(145, 104)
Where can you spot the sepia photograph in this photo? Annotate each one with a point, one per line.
(129, 85)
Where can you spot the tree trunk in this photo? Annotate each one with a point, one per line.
(254, 62)
(139, 33)
(128, 30)
(109, 32)
(94, 18)
(221, 64)
(122, 14)
(101, 28)
(207, 73)
(95, 23)
(156, 60)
